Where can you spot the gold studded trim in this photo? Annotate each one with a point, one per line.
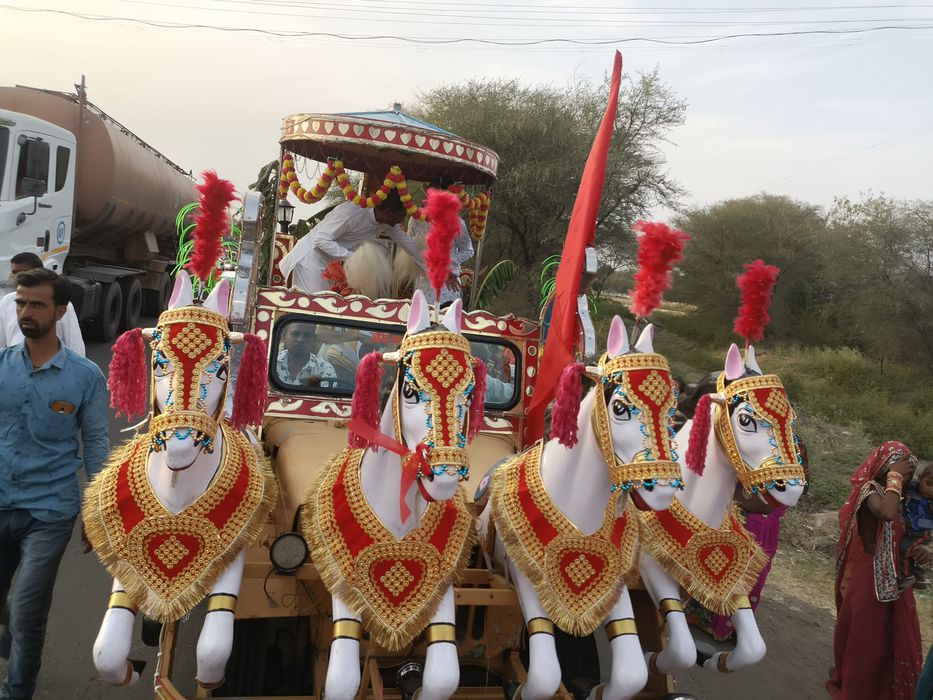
(434, 339)
(193, 314)
(177, 420)
(351, 575)
(121, 497)
(636, 360)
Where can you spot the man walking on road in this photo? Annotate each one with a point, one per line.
(49, 393)
(68, 329)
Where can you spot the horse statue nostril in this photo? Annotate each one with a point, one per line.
(780, 485)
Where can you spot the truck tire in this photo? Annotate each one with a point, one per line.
(155, 300)
(132, 302)
(106, 323)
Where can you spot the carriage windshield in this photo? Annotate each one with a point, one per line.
(320, 357)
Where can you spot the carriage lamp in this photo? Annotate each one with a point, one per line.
(286, 213)
(288, 552)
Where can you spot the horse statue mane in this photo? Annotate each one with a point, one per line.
(389, 527)
(560, 521)
(172, 514)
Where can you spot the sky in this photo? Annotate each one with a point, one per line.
(811, 116)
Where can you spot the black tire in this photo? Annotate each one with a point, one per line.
(132, 302)
(106, 323)
(155, 300)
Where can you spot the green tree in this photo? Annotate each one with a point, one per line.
(727, 235)
(543, 135)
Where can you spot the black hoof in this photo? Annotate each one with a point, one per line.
(138, 665)
(151, 631)
(703, 657)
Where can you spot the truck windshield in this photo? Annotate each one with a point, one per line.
(4, 149)
(320, 356)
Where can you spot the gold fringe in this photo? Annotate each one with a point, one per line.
(575, 623)
(389, 637)
(670, 559)
(148, 600)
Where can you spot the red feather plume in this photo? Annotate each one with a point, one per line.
(443, 210)
(659, 248)
(214, 196)
(757, 285)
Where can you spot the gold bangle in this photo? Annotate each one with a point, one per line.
(221, 602)
(742, 602)
(441, 632)
(669, 605)
(348, 629)
(617, 628)
(540, 625)
(119, 599)
(894, 490)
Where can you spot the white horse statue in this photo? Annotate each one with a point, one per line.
(699, 544)
(174, 511)
(558, 522)
(388, 524)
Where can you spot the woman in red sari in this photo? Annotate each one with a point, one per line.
(877, 640)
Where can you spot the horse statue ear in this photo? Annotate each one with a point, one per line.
(751, 361)
(617, 341)
(453, 319)
(735, 367)
(646, 340)
(182, 294)
(219, 298)
(418, 318)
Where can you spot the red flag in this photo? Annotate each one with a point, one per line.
(581, 232)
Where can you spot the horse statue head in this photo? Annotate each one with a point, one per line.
(755, 425)
(630, 411)
(436, 404)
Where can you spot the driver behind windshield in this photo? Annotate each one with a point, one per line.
(297, 363)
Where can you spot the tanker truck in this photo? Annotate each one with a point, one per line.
(93, 200)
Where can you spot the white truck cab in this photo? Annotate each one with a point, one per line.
(37, 189)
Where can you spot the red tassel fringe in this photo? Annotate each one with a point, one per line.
(337, 276)
(365, 404)
(478, 400)
(659, 249)
(250, 396)
(215, 195)
(128, 375)
(757, 286)
(567, 405)
(443, 212)
(699, 435)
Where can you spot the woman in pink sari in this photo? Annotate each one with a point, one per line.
(877, 639)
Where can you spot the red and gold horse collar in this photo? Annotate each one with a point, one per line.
(193, 339)
(440, 364)
(643, 381)
(766, 398)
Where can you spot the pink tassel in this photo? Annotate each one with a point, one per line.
(478, 400)
(128, 374)
(365, 404)
(251, 394)
(699, 435)
(567, 405)
(444, 214)
(214, 196)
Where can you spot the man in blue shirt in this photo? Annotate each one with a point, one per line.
(48, 394)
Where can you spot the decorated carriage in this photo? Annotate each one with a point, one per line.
(358, 572)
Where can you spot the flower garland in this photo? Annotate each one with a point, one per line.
(477, 206)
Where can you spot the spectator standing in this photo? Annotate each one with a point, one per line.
(50, 393)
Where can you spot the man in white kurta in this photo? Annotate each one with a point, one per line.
(67, 327)
(341, 232)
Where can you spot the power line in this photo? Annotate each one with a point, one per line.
(674, 41)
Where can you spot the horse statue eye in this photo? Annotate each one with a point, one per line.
(620, 410)
(748, 423)
(409, 392)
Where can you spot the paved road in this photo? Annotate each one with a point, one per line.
(792, 629)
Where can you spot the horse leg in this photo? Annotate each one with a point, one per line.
(216, 640)
(680, 652)
(112, 646)
(629, 673)
(441, 664)
(749, 646)
(343, 668)
(543, 665)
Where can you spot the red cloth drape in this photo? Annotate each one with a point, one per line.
(581, 232)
